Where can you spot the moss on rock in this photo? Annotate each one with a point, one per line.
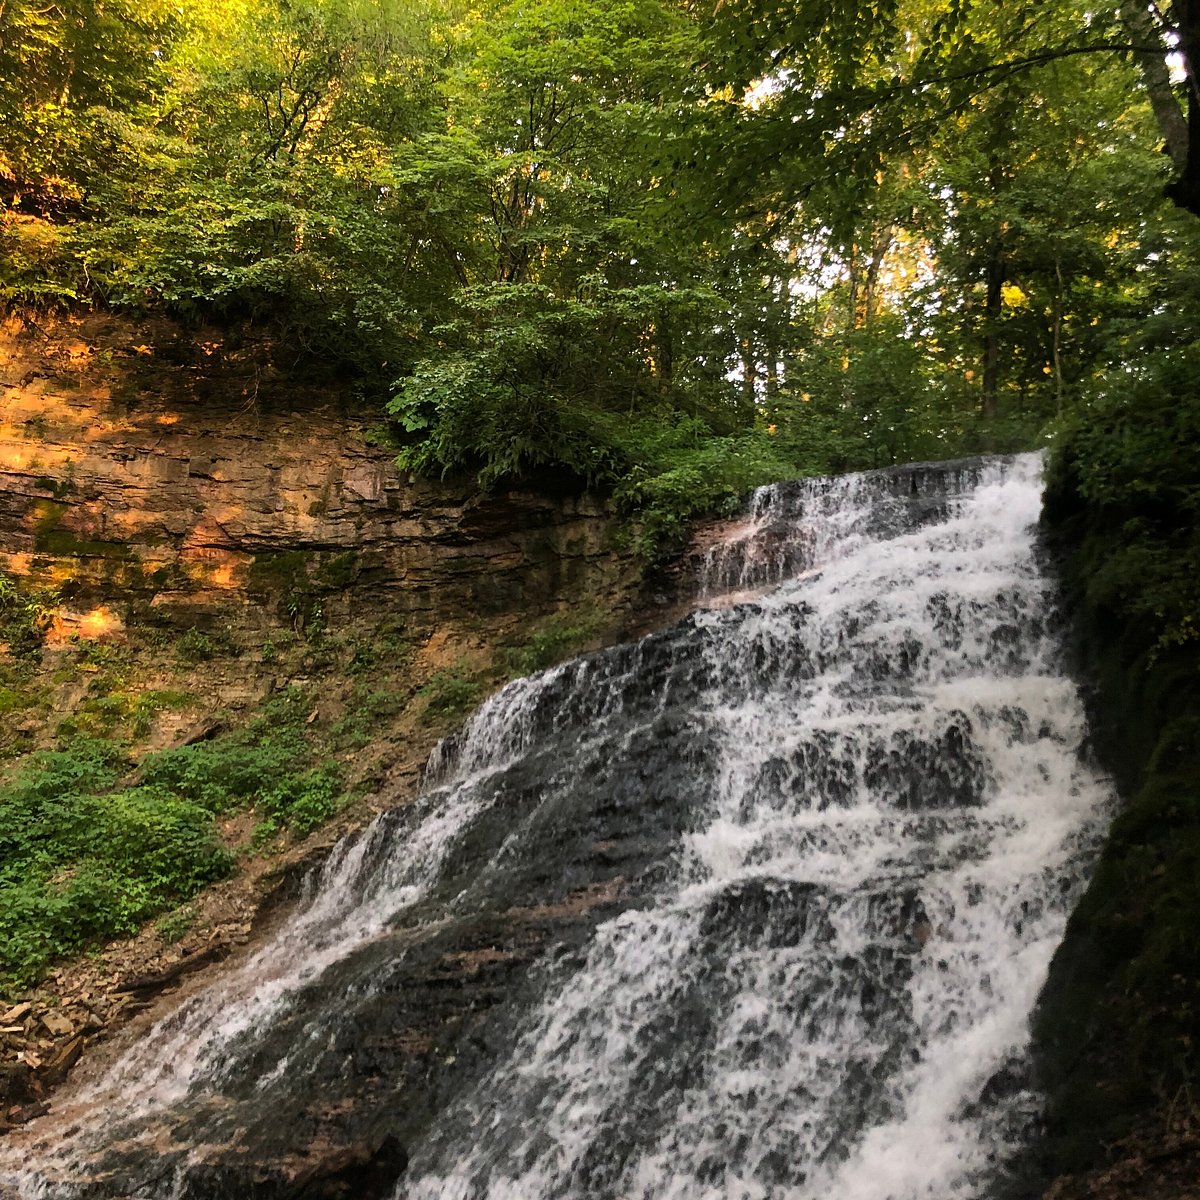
(1117, 1031)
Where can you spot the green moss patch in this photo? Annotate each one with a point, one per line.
(63, 542)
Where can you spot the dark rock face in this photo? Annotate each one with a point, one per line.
(1117, 1031)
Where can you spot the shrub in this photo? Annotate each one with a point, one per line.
(305, 799)
(449, 693)
(81, 859)
(24, 617)
(1130, 458)
(85, 856)
(555, 639)
(683, 474)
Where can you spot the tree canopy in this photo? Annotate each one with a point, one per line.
(594, 239)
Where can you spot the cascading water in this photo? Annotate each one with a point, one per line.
(756, 907)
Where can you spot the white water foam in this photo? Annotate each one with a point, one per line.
(828, 1071)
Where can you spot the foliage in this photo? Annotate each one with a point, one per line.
(302, 800)
(449, 694)
(36, 270)
(388, 644)
(80, 860)
(528, 382)
(92, 845)
(63, 68)
(549, 234)
(24, 618)
(1130, 457)
(195, 646)
(680, 471)
(867, 398)
(176, 925)
(368, 707)
(842, 87)
(133, 708)
(268, 766)
(552, 641)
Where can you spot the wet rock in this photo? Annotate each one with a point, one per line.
(142, 985)
(55, 1071)
(16, 1085)
(362, 1173)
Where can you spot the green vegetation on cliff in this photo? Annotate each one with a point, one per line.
(93, 843)
(84, 859)
(1119, 1023)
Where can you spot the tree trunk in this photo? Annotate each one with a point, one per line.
(1172, 124)
(1185, 191)
(666, 353)
(881, 243)
(1058, 324)
(749, 374)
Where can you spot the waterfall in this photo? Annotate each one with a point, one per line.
(757, 907)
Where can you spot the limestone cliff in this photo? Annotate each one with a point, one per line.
(161, 476)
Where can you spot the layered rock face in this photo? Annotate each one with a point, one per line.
(167, 479)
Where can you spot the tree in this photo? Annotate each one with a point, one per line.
(64, 66)
(980, 180)
(848, 83)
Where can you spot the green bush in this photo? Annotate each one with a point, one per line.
(268, 765)
(530, 385)
(100, 715)
(682, 472)
(449, 693)
(81, 859)
(219, 776)
(84, 857)
(517, 389)
(555, 639)
(176, 924)
(305, 799)
(1130, 461)
(25, 617)
(194, 646)
(368, 707)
